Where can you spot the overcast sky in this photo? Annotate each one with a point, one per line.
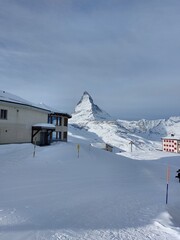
(125, 53)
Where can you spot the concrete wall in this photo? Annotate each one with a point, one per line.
(18, 126)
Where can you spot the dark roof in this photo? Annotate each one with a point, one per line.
(60, 114)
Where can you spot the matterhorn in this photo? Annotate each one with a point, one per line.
(86, 110)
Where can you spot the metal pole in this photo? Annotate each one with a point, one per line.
(167, 186)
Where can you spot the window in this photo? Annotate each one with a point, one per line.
(65, 121)
(60, 135)
(64, 135)
(53, 120)
(49, 119)
(59, 121)
(57, 135)
(3, 114)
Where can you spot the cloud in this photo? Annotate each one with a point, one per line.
(124, 52)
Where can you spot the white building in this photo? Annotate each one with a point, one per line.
(22, 121)
(171, 144)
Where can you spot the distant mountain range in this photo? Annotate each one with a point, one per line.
(145, 134)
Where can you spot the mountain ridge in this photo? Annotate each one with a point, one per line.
(145, 134)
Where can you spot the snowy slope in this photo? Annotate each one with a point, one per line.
(99, 195)
(145, 134)
(160, 127)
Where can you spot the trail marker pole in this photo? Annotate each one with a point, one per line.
(167, 186)
(78, 148)
(34, 152)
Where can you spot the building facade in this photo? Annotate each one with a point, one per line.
(60, 120)
(16, 122)
(24, 122)
(171, 144)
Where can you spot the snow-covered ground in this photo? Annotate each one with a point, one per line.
(98, 195)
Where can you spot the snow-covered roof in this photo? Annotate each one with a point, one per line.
(172, 137)
(11, 98)
(100, 145)
(44, 125)
(53, 110)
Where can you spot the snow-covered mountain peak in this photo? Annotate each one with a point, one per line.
(86, 103)
(87, 110)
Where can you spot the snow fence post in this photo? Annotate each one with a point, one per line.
(167, 186)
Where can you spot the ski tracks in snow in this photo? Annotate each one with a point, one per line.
(155, 231)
